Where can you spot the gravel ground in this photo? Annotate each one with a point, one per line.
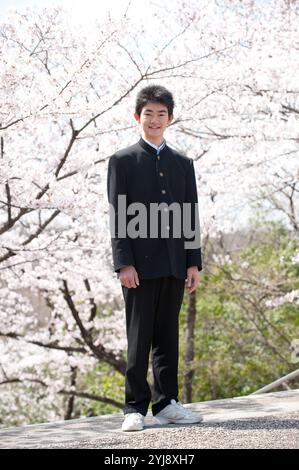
(271, 432)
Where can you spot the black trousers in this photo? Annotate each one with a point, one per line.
(152, 321)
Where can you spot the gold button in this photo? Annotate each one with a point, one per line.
(163, 191)
(161, 173)
(158, 157)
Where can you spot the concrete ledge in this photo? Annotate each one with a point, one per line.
(268, 420)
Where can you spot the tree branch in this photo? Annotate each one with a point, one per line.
(88, 396)
(99, 351)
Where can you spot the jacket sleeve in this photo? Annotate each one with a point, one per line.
(193, 251)
(116, 186)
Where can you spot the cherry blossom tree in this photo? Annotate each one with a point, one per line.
(61, 120)
(66, 106)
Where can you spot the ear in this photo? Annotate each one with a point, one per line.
(170, 119)
(137, 117)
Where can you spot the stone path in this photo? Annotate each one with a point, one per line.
(258, 421)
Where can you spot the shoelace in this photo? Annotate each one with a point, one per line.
(181, 409)
(135, 417)
(138, 415)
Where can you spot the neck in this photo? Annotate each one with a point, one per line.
(158, 141)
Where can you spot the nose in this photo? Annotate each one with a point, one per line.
(154, 120)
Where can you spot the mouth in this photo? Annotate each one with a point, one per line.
(155, 128)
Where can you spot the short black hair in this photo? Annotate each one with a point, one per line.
(154, 94)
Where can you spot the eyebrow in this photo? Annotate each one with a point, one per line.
(159, 111)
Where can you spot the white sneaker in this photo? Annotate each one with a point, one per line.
(175, 413)
(133, 422)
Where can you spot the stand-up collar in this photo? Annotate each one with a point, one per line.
(153, 151)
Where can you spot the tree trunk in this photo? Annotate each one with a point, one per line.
(71, 398)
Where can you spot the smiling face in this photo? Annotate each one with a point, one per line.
(153, 121)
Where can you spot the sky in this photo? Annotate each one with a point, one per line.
(82, 11)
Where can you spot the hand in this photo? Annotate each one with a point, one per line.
(193, 279)
(128, 277)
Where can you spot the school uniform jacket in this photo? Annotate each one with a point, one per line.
(144, 176)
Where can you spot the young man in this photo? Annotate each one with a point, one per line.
(154, 261)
